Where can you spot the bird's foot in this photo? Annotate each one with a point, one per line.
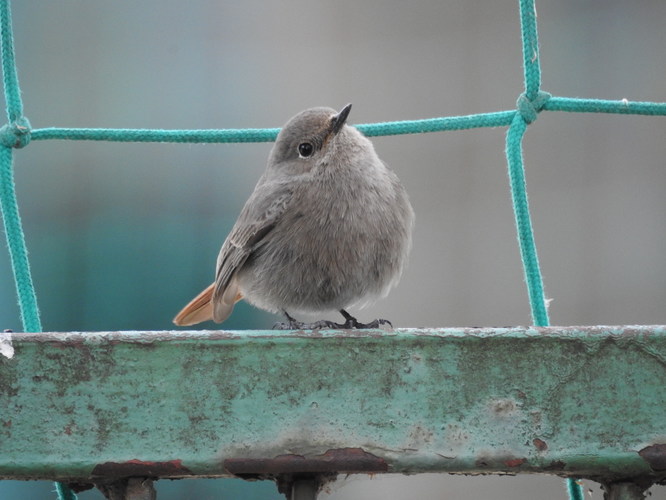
(350, 323)
(294, 324)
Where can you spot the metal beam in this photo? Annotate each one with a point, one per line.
(98, 406)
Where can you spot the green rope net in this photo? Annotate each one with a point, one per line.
(17, 133)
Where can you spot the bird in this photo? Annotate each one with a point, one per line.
(328, 227)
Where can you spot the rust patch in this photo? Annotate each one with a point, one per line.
(540, 444)
(498, 462)
(655, 456)
(515, 462)
(140, 468)
(348, 460)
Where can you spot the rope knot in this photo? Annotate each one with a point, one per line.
(16, 134)
(529, 109)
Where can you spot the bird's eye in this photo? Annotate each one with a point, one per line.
(305, 149)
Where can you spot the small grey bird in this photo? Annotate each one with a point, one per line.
(328, 227)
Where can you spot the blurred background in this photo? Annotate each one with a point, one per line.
(121, 236)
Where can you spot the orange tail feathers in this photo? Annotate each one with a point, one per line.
(200, 308)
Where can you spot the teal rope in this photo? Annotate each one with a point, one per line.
(16, 134)
(531, 65)
(65, 493)
(9, 75)
(574, 489)
(498, 119)
(450, 123)
(514, 154)
(529, 105)
(622, 107)
(10, 213)
(502, 118)
(148, 135)
(16, 243)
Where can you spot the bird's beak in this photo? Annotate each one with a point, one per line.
(339, 120)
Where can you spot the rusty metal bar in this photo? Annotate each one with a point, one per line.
(101, 407)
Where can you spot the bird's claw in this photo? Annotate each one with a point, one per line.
(351, 323)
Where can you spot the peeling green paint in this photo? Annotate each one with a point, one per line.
(571, 401)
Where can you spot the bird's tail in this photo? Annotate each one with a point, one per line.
(199, 309)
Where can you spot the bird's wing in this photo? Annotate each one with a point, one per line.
(261, 213)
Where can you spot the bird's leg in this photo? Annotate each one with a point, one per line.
(291, 324)
(352, 322)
